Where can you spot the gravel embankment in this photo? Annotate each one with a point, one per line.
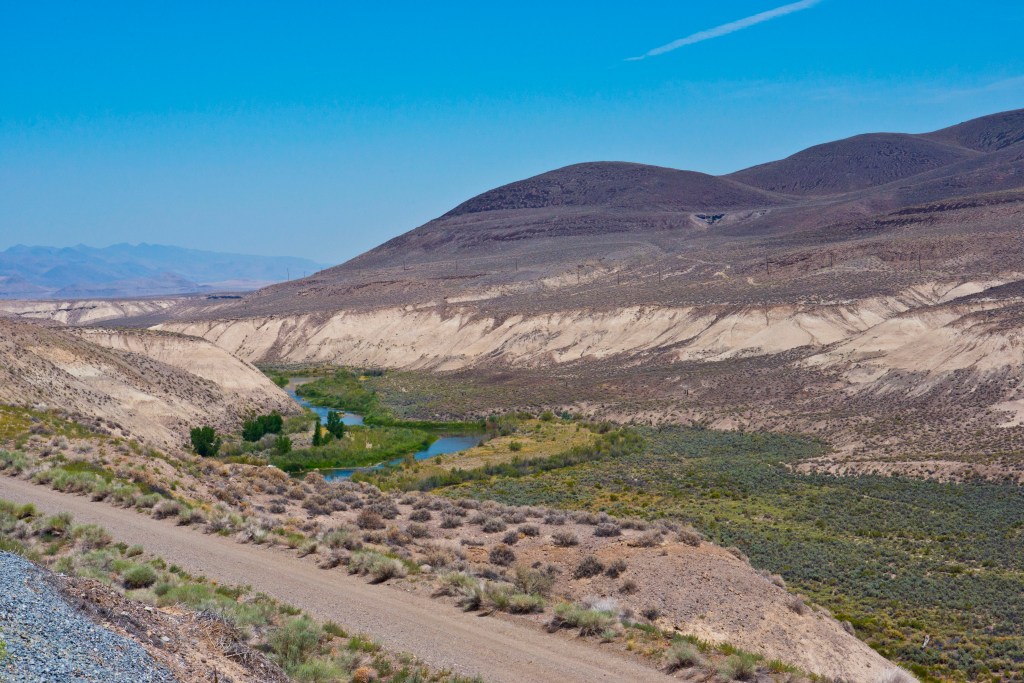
(48, 641)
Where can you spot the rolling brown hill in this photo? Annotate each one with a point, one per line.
(825, 292)
(856, 163)
(877, 204)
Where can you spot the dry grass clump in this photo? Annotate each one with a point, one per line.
(189, 516)
(690, 536)
(455, 583)
(534, 581)
(166, 508)
(378, 566)
(416, 530)
(555, 519)
(91, 536)
(341, 537)
(607, 529)
(682, 655)
(896, 676)
(589, 621)
(738, 667)
(797, 604)
(649, 539)
(514, 516)
(616, 568)
(738, 554)
(504, 597)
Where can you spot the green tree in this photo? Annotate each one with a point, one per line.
(334, 424)
(205, 441)
(282, 444)
(316, 432)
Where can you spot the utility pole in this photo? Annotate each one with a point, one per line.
(919, 262)
(767, 266)
(830, 259)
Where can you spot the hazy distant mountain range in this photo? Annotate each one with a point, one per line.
(128, 270)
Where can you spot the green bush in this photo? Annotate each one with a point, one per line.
(205, 441)
(505, 598)
(92, 536)
(139, 576)
(590, 622)
(15, 461)
(739, 667)
(319, 671)
(294, 642)
(378, 566)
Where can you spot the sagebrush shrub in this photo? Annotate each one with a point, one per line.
(564, 539)
(590, 566)
(139, 576)
(502, 555)
(682, 655)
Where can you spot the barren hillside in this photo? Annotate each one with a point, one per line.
(148, 385)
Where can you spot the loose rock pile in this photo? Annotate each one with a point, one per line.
(48, 641)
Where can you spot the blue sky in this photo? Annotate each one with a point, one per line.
(323, 129)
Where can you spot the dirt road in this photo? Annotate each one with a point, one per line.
(499, 651)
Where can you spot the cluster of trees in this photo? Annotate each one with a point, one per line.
(257, 427)
(206, 443)
(335, 429)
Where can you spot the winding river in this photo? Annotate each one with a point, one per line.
(442, 446)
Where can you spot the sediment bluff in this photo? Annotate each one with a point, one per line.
(135, 383)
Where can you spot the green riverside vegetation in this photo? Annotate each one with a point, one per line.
(344, 390)
(359, 447)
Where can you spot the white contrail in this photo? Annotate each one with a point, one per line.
(731, 27)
